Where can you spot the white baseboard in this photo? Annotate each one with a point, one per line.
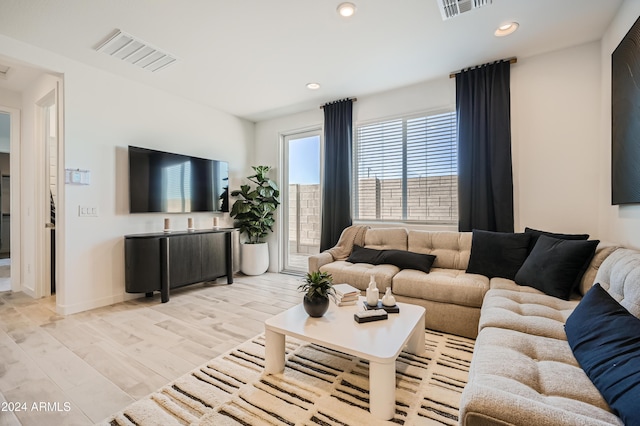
(97, 303)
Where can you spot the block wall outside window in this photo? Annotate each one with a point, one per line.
(405, 170)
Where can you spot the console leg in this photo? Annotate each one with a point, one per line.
(150, 294)
(229, 257)
(164, 275)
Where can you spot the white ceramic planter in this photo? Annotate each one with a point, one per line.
(255, 258)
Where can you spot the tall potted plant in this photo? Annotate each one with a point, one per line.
(253, 212)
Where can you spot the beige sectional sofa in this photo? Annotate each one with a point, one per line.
(523, 370)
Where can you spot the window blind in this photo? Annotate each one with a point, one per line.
(406, 170)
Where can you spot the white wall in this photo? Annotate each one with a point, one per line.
(555, 107)
(104, 114)
(617, 223)
(555, 132)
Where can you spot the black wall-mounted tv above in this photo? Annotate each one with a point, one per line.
(173, 183)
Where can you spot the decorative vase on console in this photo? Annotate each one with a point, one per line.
(388, 299)
(372, 292)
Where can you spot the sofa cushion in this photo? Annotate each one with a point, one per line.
(555, 266)
(603, 251)
(605, 339)
(452, 249)
(535, 234)
(386, 238)
(526, 310)
(522, 379)
(403, 259)
(359, 274)
(497, 254)
(619, 274)
(442, 285)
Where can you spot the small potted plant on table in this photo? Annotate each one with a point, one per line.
(318, 286)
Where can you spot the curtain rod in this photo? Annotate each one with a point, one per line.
(345, 99)
(513, 60)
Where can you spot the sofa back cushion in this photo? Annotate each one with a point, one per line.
(452, 249)
(619, 274)
(603, 251)
(386, 238)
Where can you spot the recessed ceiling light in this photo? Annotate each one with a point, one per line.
(506, 29)
(346, 9)
(313, 86)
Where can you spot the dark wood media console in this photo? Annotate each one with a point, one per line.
(163, 261)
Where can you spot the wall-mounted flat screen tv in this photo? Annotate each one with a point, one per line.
(173, 183)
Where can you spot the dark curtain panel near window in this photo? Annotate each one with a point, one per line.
(336, 192)
(485, 179)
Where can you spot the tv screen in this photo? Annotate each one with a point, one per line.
(173, 183)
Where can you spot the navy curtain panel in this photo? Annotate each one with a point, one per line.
(485, 178)
(336, 192)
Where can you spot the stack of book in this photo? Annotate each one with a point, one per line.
(345, 294)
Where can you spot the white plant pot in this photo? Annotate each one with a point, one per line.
(255, 258)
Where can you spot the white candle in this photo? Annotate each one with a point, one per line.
(190, 223)
(167, 224)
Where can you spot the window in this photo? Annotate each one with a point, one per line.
(406, 169)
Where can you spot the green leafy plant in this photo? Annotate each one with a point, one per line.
(317, 284)
(253, 210)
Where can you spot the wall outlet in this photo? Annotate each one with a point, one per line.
(87, 211)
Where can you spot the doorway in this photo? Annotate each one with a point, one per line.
(5, 201)
(301, 199)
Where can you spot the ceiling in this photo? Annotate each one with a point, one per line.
(253, 58)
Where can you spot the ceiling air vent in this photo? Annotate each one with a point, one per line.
(451, 8)
(137, 52)
(4, 71)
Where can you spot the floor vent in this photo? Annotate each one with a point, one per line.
(451, 8)
(137, 52)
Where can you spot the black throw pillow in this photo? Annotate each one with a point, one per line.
(497, 254)
(554, 265)
(364, 255)
(605, 339)
(535, 234)
(403, 259)
(408, 260)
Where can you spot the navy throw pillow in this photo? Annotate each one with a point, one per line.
(605, 339)
(408, 260)
(403, 259)
(364, 255)
(497, 254)
(554, 265)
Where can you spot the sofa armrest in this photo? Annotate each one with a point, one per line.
(317, 260)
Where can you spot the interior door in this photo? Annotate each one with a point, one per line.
(48, 191)
(301, 199)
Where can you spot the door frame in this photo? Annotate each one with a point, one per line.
(283, 222)
(15, 120)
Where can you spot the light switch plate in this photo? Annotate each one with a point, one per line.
(87, 211)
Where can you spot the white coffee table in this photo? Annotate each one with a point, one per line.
(379, 342)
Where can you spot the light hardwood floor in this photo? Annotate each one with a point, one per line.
(79, 369)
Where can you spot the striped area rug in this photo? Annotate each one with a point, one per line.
(318, 387)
